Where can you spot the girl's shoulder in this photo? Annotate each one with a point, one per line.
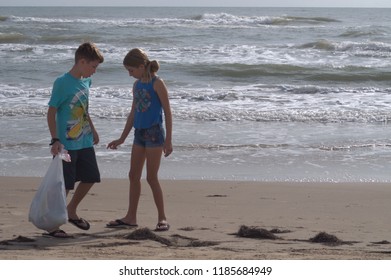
(159, 85)
(157, 79)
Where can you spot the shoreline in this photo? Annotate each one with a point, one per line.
(353, 153)
(205, 219)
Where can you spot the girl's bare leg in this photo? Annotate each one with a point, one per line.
(136, 168)
(153, 156)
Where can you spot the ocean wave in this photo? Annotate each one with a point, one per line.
(221, 147)
(231, 110)
(240, 71)
(317, 115)
(303, 20)
(239, 60)
(24, 145)
(26, 19)
(207, 19)
(230, 19)
(66, 38)
(262, 146)
(363, 32)
(320, 44)
(258, 103)
(12, 37)
(346, 46)
(99, 21)
(355, 147)
(224, 19)
(310, 73)
(232, 57)
(365, 76)
(371, 48)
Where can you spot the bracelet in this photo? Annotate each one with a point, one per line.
(54, 140)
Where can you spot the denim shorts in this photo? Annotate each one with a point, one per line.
(83, 167)
(149, 137)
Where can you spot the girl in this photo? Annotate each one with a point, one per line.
(150, 98)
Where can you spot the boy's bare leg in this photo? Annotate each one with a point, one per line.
(80, 192)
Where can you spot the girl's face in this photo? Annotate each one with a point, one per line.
(135, 72)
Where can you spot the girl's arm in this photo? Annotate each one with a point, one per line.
(128, 127)
(162, 92)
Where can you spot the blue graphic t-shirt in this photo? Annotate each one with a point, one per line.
(148, 106)
(70, 98)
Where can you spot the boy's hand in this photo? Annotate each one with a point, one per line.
(96, 137)
(56, 148)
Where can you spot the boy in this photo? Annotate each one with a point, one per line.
(71, 128)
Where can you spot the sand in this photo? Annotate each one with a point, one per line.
(210, 220)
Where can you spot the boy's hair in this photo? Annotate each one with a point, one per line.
(89, 52)
(137, 57)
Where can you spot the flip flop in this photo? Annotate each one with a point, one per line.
(162, 226)
(57, 234)
(80, 223)
(120, 224)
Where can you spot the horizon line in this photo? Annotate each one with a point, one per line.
(176, 6)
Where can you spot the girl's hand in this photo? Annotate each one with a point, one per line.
(167, 148)
(114, 144)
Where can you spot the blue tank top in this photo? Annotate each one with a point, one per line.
(148, 111)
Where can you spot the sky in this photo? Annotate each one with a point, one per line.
(204, 3)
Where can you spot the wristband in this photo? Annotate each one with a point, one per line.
(54, 140)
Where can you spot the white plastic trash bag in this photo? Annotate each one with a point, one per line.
(48, 209)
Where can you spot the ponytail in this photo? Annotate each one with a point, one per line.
(137, 57)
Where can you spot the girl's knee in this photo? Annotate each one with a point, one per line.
(152, 180)
(133, 177)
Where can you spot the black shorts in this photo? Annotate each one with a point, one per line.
(83, 167)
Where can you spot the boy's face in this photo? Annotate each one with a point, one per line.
(88, 68)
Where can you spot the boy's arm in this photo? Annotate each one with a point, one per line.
(94, 132)
(51, 119)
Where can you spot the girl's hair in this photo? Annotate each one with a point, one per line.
(89, 52)
(137, 57)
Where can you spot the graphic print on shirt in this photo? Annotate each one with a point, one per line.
(142, 99)
(78, 124)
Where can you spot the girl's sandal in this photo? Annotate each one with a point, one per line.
(162, 226)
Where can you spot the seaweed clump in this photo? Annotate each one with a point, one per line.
(255, 232)
(176, 240)
(147, 234)
(19, 239)
(326, 238)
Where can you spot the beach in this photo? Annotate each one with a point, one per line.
(292, 221)
(280, 132)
